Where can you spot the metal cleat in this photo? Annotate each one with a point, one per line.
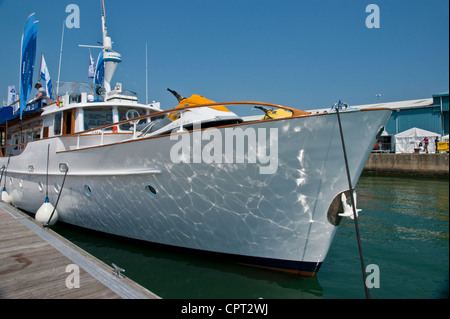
(118, 271)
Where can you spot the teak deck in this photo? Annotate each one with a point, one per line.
(35, 263)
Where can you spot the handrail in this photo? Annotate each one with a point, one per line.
(295, 113)
(44, 97)
(101, 129)
(74, 88)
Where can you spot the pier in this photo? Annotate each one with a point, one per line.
(37, 263)
(414, 165)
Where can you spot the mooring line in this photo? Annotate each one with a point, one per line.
(57, 200)
(5, 169)
(363, 268)
(46, 174)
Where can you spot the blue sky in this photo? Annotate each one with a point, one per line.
(305, 54)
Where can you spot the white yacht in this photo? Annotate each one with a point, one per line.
(264, 192)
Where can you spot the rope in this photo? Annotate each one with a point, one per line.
(363, 268)
(46, 175)
(5, 169)
(59, 195)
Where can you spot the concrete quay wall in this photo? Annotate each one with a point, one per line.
(423, 165)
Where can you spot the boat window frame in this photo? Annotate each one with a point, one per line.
(91, 110)
(57, 129)
(121, 112)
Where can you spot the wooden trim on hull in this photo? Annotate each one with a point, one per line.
(305, 115)
(295, 113)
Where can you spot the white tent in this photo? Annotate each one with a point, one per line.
(409, 140)
(445, 138)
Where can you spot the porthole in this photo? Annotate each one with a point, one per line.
(87, 190)
(151, 190)
(63, 167)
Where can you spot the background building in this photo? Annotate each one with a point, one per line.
(430, 114)
(441, 101)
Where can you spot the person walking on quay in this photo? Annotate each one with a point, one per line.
(425, 144)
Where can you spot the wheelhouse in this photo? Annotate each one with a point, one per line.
(79, 107)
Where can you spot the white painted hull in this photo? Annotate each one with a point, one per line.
(277, 220)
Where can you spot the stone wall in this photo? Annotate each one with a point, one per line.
(436, 165)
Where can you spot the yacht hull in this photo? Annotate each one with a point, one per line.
(272, 214)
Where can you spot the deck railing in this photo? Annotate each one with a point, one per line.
(149, 118)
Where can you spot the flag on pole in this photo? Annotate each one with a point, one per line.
(12, 95)
(27, 59)
(91, 73)
(100, 70)
(45, 76)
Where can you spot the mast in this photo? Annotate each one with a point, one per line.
(146, 76)
(109, 58)
(60, 56)
(40, 68)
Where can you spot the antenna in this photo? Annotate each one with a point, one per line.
(104, 11)
(90, 46)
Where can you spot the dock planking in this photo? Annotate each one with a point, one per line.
(37, 263)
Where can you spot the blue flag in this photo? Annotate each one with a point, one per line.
(27, 60)
(91, 71)
(100, 70)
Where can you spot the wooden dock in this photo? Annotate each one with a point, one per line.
(37, 263)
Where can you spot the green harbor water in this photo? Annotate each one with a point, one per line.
(404, 229)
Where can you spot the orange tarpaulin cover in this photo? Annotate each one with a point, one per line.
(196, 99)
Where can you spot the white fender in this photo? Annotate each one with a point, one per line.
(44, 212)
(5, 196)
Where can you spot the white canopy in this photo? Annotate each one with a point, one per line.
(409, 140)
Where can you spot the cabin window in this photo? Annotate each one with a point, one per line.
(74, 98)
(16, 141)
(97, 117)
(57, 124)
(123, 116)
(29, 136)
